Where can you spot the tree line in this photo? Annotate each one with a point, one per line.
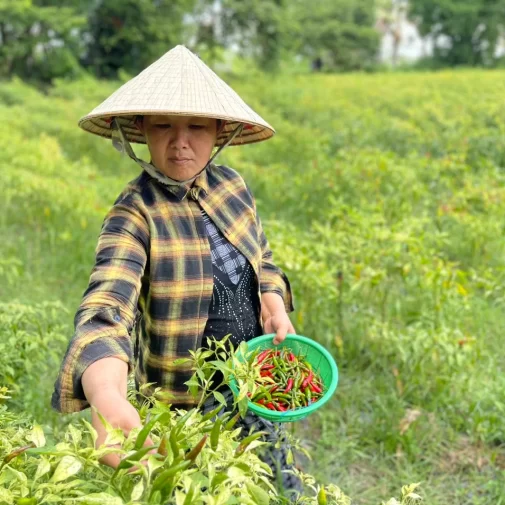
(46, 39)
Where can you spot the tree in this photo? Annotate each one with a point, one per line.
(471, 28)
(38, 40)
(340, 32)
(259, 28)
(131, 34)
(337, 33)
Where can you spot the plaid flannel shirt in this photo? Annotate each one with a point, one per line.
(149, 292)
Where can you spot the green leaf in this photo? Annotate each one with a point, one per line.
(289, 457)
(180, 361)
(259, 495)
(52, 498)
(6, 496)
(67, 467)
(99, 499)
(138, 490)
(200, 374)
(37, 436)
(116, 436)
(218, 479)
(219, 397)
(242, 348)
(92, 431)
(43, 467)
(10, 474)
(75, 434)
(44, 450)
(242, 406)
(244, 388)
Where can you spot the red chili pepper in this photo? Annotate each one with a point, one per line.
(270, 406)
(267, 367)
(281, 407)
(263, 355)
(315, 389)
(289, 386)
(308, 380)
(261, 401)
(291, 357)
(273, 389)
(266, 373)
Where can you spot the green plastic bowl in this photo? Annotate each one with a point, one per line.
(321, 360)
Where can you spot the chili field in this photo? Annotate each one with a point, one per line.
(383, 198)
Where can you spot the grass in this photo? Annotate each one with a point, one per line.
(383, 199)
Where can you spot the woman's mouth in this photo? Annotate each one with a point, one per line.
(179, 161)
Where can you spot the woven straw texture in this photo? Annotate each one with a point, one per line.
(179, 83)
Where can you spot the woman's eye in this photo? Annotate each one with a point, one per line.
(197, 126)
(163, 126)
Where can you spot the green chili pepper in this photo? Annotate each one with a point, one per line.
(144, 432)
(129, 461)
(246, 441)
(214, 434)
(282, 376)
(231, 423)
(212, 413)
(174, 445)
(162, 449)
(182, 421)
(263, 393)
(284, 396)
(163, 477)
(308, 394)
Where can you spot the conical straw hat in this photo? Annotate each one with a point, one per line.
(178, 83)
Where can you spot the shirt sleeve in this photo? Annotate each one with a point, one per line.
(272, 278)
(107, 312)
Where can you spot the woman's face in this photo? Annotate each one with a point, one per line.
(180, 146)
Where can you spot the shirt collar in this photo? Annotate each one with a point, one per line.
(182, 191)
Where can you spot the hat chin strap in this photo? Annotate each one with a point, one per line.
(121, 143)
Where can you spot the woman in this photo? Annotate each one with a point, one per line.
(181, 254)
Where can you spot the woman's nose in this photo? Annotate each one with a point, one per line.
(179, 137)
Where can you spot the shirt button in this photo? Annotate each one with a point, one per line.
(117, 318)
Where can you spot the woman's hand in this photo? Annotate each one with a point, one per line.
(120, 413)
(280, 325)
(274, 316)
(104, 384)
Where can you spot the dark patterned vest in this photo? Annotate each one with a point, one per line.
(234, 308)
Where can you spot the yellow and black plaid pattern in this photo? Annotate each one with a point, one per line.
(149, 292)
